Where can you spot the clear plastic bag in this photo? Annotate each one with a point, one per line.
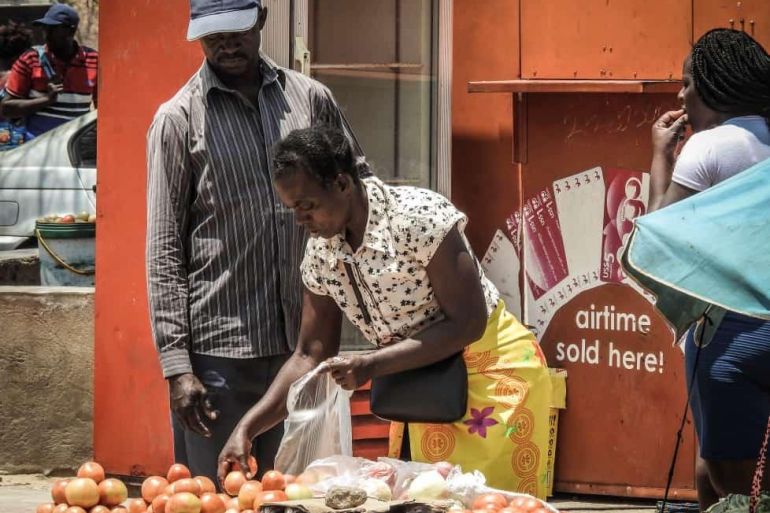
(318, 423)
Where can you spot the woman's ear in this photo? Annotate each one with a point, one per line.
(343, 182)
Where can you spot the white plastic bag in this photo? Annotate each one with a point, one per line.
(317, 425)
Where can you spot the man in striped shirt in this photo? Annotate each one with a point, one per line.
(51, 85)
(223, 254)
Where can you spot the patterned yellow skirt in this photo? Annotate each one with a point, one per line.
(505, 432)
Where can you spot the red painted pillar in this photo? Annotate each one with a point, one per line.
(144, 60)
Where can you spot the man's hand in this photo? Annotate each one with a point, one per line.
(350, 372)
(235, 455)
(190, 403)
(667, 131)
(53, 90)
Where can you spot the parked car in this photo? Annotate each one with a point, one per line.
(54, 173)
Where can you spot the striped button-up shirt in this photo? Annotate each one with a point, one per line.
(223, 254)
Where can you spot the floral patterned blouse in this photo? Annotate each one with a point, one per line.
(406, 225)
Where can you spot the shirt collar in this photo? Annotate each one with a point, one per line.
(271, 73)
(377, 237)
(78, 57)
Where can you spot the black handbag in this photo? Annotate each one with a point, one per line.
(434, 394)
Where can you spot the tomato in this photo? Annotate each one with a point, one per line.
(212, 503)
(233, 504)
(490, 501)
(512, 509)
(184, 502)
(273, 480)
(99, 509)
(268, 497)
(187, 485)
(176, 472)
(531, 504)
(45, 508)
(83, 492)
(112, 492)
(75, 509)
(159, 503)
(61, 508)
(206, 484)
(152, 487)
(251, 462)
(92, 470)
(518, 502)
(118, 509)
(234, 481)
(57, 491)
(136, 506)
(248, 493)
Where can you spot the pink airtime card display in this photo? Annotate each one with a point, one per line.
(545, 260)
(626, 199)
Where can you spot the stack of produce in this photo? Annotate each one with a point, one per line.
(342, 482)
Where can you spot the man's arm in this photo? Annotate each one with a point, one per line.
(168, 198)
(17, 103)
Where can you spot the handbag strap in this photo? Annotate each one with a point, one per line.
(759, 473)
(357, 292)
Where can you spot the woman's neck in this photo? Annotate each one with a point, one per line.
(358, 218)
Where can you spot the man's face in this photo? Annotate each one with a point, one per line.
(234, 53)
(60, 37)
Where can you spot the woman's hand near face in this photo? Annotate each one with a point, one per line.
(667, 131)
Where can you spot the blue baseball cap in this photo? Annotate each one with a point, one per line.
(60, 14)
(216, 16)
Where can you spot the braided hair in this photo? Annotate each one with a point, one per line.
(731, 72)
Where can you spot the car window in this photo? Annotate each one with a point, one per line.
(83, 147)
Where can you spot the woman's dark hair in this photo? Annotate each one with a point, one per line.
(731, 72)
(321, 151)
(15, 38)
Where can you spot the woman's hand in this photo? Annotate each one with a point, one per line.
(350, 372)
(667, 131)
(235, 453)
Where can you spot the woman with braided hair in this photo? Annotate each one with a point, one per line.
(726, 101)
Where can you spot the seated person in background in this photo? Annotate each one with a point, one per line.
(51, 85)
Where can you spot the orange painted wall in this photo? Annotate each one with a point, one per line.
(144, 59)
(484, 179)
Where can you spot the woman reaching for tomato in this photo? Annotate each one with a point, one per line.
(422, 297)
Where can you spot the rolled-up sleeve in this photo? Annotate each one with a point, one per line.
(168, 199)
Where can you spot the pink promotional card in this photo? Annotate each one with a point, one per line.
(545, 260)
(626, 199)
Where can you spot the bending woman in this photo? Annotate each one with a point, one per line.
(424, 298)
